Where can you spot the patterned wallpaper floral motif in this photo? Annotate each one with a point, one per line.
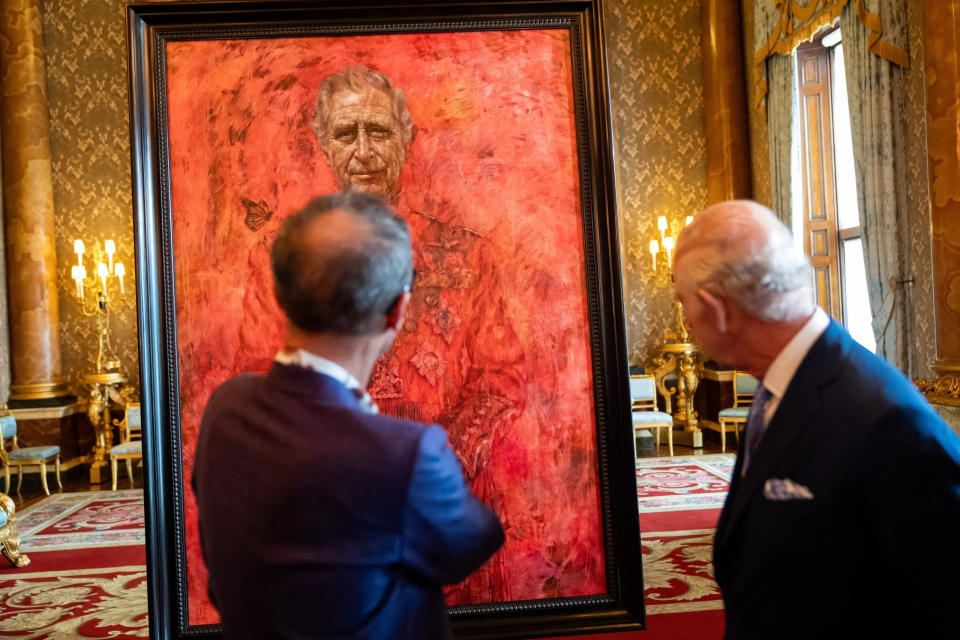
(656, 78)
(923, 352)
(85, 48)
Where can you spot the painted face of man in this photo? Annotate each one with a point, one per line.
(364, 146)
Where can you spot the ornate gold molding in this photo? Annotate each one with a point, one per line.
(944, 390)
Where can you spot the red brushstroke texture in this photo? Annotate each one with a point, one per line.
(491, 190)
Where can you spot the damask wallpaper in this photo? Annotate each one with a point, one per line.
(923, 352)
(656, 78)
(918, 263)
(85, 47)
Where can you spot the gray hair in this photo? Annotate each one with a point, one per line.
(356, 78)
(741, 252)
(342, 287)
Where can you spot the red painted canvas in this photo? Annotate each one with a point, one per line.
(497, 346)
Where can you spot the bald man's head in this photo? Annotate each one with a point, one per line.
(741, 252)
(341, 263)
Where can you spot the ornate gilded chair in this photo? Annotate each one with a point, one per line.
(9, 537)
(25, 456)
(744, 385)
(131, 445)
(643, 394)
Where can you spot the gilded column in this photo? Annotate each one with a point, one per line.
(941, 45)
(28, 205)
(724, 94)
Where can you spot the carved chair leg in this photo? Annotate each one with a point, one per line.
(113, 471)
(130, 471)
(723, 436)
(43, 476)
(6, 480)
(59, 484)
(19, 477)
(670, 438)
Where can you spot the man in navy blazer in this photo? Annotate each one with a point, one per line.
(320, 518)
(843, 516)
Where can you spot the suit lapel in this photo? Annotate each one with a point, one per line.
(799, 407)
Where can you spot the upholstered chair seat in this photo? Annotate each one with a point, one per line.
(25, 456)
(32, 453)
(643, 396)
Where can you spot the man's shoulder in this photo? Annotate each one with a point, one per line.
(397, 426)
(865, 384)
(236, 389)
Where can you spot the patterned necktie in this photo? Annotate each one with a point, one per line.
(754, 429)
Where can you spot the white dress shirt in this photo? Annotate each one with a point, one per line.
(784, 366)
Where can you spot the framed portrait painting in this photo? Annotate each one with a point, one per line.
(494, 145)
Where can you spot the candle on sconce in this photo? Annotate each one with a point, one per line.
(78, 249)
(120, 271)
(102, 272)
(668, 245)
(662, 226)
(654, 250)
(78, 273)
(110, 248)
(687, 222)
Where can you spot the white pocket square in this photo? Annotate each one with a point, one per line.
(785, 489)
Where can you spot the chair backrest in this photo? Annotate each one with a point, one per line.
(744, 386)
(130, 426)
(8, 425)
(8, 429)
(643, 393)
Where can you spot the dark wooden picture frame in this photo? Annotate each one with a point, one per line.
(151, 28)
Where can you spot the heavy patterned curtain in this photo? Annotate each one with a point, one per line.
(875, 90)
(875, 55)
(783, 123)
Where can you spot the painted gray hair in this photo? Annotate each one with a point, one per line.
(356, 78)
(344, 288)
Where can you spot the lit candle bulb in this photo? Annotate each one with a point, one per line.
(78, 248)
(662, 225)
(81, 275)
(75, 274)
(654, 250)
(102, 272)
(688, 221)
(110, 249)
(668, 245)
(120, 271)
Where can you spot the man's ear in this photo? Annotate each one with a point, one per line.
(398, 312)
(716, 308)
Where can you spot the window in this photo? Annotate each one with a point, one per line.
(830, 218)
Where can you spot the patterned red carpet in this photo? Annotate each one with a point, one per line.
(87, 576)
(680, 500)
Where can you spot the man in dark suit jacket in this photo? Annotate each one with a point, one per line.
(844, 509)
(320, 518)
